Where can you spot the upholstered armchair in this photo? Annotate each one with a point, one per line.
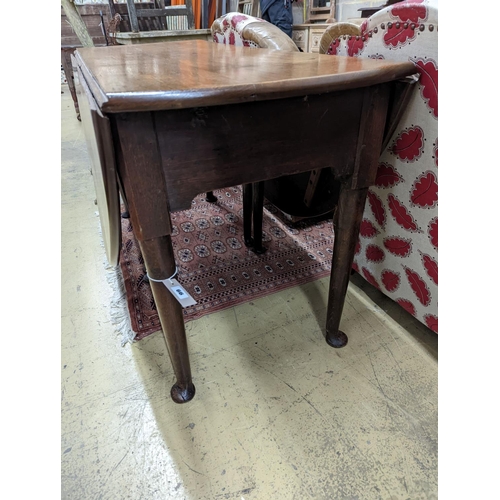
(398, 241)
(242, 30)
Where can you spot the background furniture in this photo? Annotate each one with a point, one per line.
(180, 15)
(96, 18)
(92, 17)
(162, 23)
(163, 17)
(397, 250)
(317, 17)
(130, 38)
(66, 52)
(249, 7)
(319, 12)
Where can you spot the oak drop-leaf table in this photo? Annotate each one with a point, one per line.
(165, 122)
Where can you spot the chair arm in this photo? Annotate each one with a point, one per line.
(240, 29)
(268, 36)
(216, 26)
(335, 31)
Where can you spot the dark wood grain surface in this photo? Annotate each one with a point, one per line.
(97, 130)
(202, 149)
(192, 116)
(185, 74)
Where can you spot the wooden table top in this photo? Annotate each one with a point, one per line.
(185, 74)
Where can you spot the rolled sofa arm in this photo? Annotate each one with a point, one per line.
(239, 29)
(395, 26)
(336, 31)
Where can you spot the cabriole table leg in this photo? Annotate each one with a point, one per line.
(347, 220)
(160, 264)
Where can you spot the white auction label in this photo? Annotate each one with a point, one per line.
(179, 292)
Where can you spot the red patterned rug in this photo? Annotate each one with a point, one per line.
(215, 266)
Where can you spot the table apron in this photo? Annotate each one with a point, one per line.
(174, 155)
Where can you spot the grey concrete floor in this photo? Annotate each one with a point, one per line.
(278, 414)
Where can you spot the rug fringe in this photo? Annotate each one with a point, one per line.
(118, 306)
(118, 309)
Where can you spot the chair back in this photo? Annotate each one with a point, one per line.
(149, 18)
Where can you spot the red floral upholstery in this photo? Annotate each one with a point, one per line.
(398, 243)
(239, 29)
(228, 28)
